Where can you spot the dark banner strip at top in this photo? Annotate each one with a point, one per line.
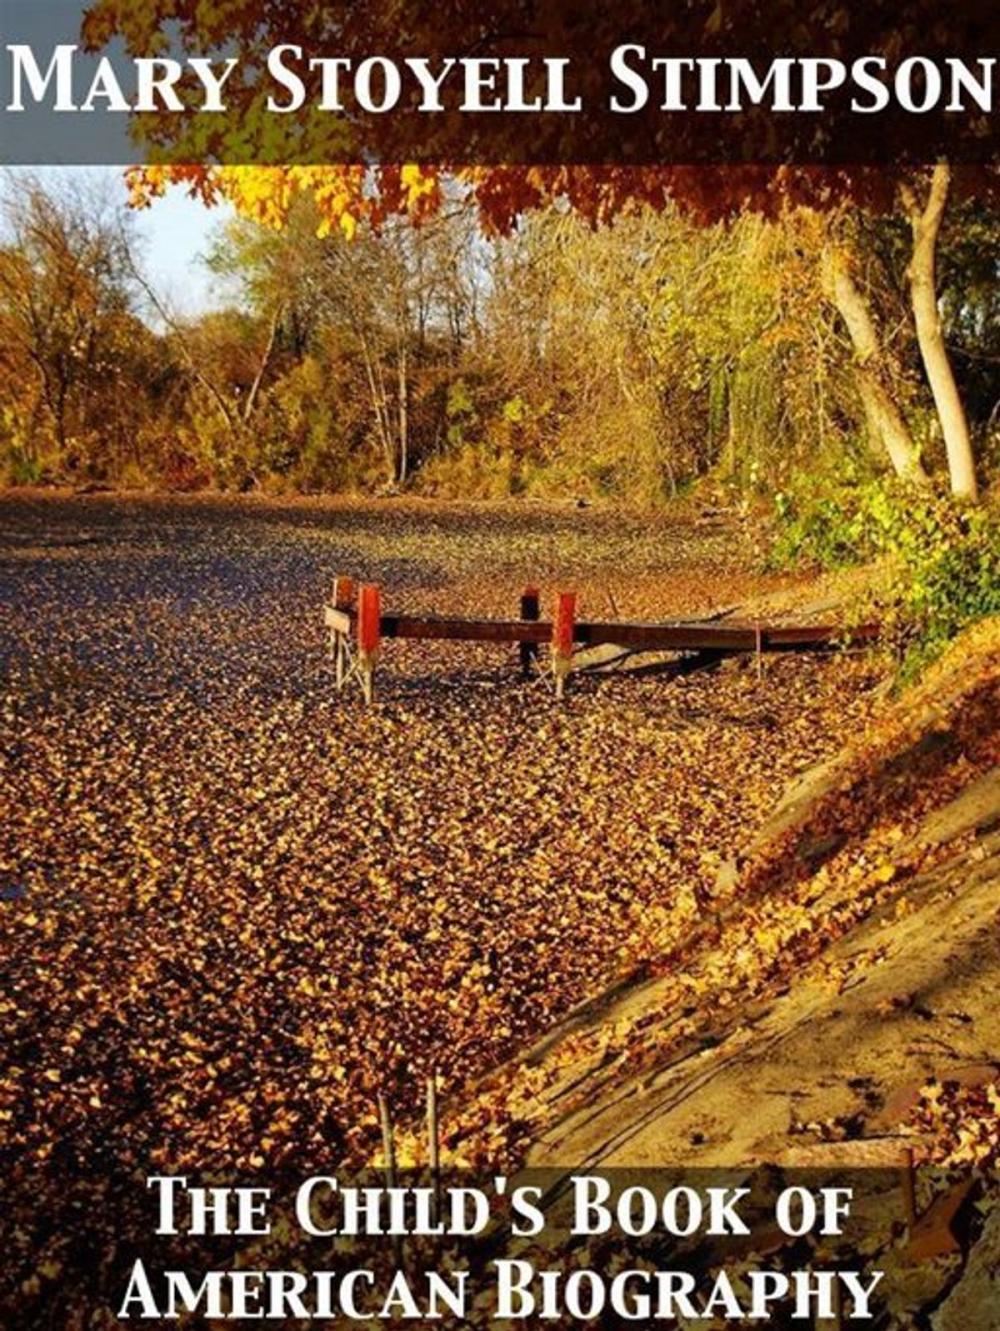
(701, 82)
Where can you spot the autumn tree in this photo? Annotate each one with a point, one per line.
(226, 358)
(399, 303)
(66, 309)
(400, 292)
(923, 198)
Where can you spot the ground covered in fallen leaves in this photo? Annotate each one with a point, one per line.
(848, 887)
(234, 905)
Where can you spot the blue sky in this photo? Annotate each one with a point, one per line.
(173, 234)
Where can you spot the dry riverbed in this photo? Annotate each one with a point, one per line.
(235, 904)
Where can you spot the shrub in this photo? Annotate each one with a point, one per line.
(19, 468)
(942, 555)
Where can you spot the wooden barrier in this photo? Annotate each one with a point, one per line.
(710, 639)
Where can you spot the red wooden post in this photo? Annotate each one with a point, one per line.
(369, 634)
(369, 619)
(343, 593)
(563, 633)
(564, 627)
(530, 612)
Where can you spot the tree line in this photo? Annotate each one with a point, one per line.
(630, 360)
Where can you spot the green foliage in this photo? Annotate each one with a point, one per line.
(515, 411)
(460, 403)
(474, 471)
(941, 556)
(460, 412)
(20, 464)
(953, 559)
(822, 523)
(21, 469)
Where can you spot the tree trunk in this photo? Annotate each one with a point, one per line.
(62, 393)
(265, 360)
(404, 411)
(926, 224)
(379, 410)
(885, 421)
